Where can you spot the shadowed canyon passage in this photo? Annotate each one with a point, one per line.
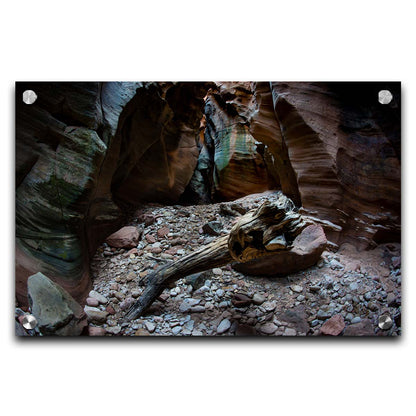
(89, 153)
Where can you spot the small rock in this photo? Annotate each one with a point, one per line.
(150, 326)
(92, 302)
(197, 308)
(224, 326)
(268, 328)
(324, 314)
(135, 293)
(240, 300)
(361, 329)
(150, 238)
(333, 326)
(368, 296)
(94, 294)
(212, 228)
(176, 330)
(162, 232)
(95, 315)
(269, 306)
(126, 303)
(289, 332)
(95, 331)
(297, 288)
(258, 299)
(356, 320)
(217, 271)
(110, 310)
(114, 329)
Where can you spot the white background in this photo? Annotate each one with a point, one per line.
(215, 40)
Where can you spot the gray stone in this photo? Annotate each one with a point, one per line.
(368, 296)
(269, 306)
(94, 294)
(268, 328)
(353, 286)
(114, 329)
(219, 293)
(223, 326)
(356, 320)
(55, 309)
(296, 288)
(324, 314)
(150, 326)
(197, 308)
(95, 315)
(258, 299)
(289, 332)
(176, 330)
(187, 304)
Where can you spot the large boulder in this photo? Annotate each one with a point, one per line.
(307, 249)
(126, 237)
(55, 309)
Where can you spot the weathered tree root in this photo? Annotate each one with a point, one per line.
(265, 231)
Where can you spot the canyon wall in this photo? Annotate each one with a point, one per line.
(88, 152)
(85, 151)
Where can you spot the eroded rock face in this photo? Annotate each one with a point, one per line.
(84, 150)
(331, 147)
(159, 146)
(344, 147)
(232, 160)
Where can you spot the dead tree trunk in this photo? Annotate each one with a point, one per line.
(270, 228)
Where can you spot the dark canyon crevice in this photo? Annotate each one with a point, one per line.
(86, 153)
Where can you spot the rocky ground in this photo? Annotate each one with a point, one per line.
(344, 294)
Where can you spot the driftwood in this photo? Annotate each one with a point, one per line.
(270, 228)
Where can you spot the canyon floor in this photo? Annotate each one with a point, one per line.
(344, 294)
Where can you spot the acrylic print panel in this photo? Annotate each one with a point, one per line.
(208, 209)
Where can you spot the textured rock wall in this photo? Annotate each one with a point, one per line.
(344, 147)
(331, 147)
(81, 147)
(231, 158)
(85, 151)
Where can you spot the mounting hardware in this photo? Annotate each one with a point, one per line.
(385, 97)
(29, 322)
(29, 97)
(385, 322)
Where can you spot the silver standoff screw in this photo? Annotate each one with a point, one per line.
(29, 97)
(385, 322)
(29, 322)
(385, 97)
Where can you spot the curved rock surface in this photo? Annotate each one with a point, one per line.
(86, 152)
(232, 159)
(344, 147)
(82, 146)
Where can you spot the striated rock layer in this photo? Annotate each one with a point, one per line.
(86, 152)
(344, 147)
(80, 148)
(331, 147)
